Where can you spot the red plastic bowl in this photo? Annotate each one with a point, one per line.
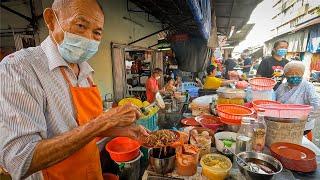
(262, 83)
(287, 110)
(190, 122)
(233, 112)
(294, 156)
(122, 149)
(208, 121)
(257, 103)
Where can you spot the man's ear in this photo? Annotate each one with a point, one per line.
(49, 18)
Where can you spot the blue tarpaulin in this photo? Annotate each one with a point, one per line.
(201, 10)
(313, 45)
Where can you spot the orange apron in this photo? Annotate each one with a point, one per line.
(85, 163)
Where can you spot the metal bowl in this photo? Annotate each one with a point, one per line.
(250, 175)
(162, 165)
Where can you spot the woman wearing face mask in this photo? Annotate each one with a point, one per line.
(152, 85)
(299, 91)
(272, 67)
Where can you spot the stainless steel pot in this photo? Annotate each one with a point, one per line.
(250, 175)
(162, 165)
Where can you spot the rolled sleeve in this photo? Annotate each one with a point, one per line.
(22, 118)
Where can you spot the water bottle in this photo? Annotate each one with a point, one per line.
(244, 136)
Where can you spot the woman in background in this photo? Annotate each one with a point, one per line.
(299, 91)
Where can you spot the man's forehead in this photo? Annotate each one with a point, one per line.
(82, 10)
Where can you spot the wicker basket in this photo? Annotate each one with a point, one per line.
(286, 130)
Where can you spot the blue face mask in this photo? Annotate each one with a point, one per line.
(282, 52)
(294, 80)
(76, 49)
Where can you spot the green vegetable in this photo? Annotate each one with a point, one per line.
(227, 142)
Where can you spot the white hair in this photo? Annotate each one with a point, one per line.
(294, 64)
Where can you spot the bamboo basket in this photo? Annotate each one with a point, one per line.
(284, 130)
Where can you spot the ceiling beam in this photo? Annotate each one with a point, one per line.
(16, 13)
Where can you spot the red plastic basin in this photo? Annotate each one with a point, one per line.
(122, 149)
(208, 121)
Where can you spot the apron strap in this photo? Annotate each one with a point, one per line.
(66, 77)
(90, 81)
(64, 74)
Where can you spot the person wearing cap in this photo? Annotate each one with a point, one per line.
(299, 91)
(51, 111)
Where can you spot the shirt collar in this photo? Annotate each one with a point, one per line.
(55, 59)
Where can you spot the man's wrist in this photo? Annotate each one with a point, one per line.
(98, 126)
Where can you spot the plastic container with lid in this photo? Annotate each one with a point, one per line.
(212, 170)
(187, 157)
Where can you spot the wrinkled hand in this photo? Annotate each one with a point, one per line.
(123, 115)
(133, 131)
(119, 116)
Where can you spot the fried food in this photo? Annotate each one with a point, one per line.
(161, 138)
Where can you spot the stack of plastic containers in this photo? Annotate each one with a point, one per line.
(261, 89)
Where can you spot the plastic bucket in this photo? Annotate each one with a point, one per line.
(130, 170)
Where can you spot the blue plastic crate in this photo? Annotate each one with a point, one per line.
(190, 86)
(150, 123)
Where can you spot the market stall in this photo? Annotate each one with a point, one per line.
(229, 135)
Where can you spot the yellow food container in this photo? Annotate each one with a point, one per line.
(134, 101)
(237, 101)
(215, 173)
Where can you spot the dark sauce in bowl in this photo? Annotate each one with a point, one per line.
(265, 166)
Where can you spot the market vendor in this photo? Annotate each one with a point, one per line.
(50, 110)
(152, 85)
(272, 67)
(212, 82)
(170, 87)
(299, 91)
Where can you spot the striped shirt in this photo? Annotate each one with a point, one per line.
(35, 103)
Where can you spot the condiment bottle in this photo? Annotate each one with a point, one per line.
(259, 132)
(244, 136)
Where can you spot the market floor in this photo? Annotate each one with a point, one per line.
(316, 130)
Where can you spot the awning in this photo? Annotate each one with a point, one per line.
(240, 35)
(297, 42)
(313, 45)
(181, 16)
(233, 13)
(310, 23)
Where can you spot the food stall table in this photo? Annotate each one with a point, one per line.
(236, 175)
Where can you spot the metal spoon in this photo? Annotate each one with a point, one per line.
(251, 168)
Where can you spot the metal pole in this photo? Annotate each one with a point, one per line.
(140, 39)
(16, 13)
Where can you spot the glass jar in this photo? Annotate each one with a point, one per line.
(245, 134)
(259, 132)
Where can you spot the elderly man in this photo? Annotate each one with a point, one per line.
(50, 110)
(299, 91)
